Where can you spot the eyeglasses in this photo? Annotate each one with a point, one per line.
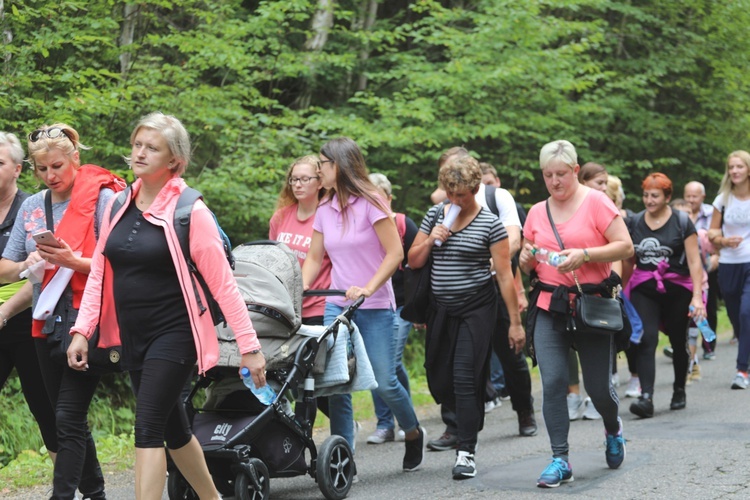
(303, 180)
(321, 162)
(51, 133)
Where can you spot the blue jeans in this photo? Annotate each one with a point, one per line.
(497, 375)
(401, 329)
(376, 327)
(734, 281)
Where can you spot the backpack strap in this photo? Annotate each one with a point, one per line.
(489, 194)
(182, 213)
(120, 200)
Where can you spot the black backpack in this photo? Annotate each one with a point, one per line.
(182, 227)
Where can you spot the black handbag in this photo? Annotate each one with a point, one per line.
(595, 314)
(417, 286)
(101, 360)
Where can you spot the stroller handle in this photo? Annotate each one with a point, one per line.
(328, 292)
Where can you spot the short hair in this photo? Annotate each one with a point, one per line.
(381, 182)
(14, 147)
(454, 151)
(173, 131)
(657, 180)
(699, 184)
(460, 173)
(68, 142)
(560, 150)
(589, 170)
(488, 169)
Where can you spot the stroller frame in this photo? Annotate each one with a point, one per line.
(332, 466)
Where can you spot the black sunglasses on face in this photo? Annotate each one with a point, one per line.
(51, 133)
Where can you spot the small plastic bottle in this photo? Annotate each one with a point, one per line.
(708, 334)
(266, 395)
(552, 258)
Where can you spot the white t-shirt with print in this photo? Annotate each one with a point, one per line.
(736, 223)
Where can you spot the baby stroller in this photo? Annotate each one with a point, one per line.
(245, 443)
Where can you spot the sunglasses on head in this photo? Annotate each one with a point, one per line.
(51, 133)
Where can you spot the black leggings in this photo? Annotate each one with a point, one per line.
(22, 356)
(466, 410)
(668, 312)
(160, 414)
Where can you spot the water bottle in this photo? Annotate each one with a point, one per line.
(265, 394)
(552, 258)
(708, 334)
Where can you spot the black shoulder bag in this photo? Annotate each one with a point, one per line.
(417, 286)
(593, 313)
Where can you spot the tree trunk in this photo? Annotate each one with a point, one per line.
(129, 18)
(7, 35)
(364, 54)
(321, 25)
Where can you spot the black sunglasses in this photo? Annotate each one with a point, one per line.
(51, 133)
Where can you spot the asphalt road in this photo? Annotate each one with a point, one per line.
(698, 453)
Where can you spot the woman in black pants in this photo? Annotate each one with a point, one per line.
(16, 345)
(463, 308)
(665, 283)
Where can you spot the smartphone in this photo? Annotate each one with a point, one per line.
(46, 238)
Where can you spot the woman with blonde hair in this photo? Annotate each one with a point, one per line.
(730, 232)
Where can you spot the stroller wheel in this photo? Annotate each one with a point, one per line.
(178, 488)
(335, 468)
(258, 487)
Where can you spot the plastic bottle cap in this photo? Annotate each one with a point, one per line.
(245, 372)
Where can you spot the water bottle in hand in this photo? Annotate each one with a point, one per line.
(265, 394)
(552, 258)
(708, 334)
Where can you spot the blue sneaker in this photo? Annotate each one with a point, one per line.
(615, 451)
(556, 473)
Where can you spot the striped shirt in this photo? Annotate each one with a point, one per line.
(461, 266)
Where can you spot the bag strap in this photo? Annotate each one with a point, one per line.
(559, 242)
(48, 210)
(489, 194)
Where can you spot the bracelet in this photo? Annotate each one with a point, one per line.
(5, 319)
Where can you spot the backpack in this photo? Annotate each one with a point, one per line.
(182, 228)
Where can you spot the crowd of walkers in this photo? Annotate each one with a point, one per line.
(128, 287)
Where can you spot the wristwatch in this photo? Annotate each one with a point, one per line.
(254, 351)
(586, 256)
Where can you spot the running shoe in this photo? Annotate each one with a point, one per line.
(465, 467)
(615, 448)
(740, 381)
(381, 436)
(634, 388)
(556, 473)
(575, 406)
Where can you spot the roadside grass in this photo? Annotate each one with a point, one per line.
(112, 424)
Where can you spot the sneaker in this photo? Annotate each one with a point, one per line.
(634, 388)
(668, 352)
(590, 412)
(489, 406)
(381, 436)
(695, 373)
(615, 380)
(615, 448)
(527, 423)
(445, 442)
(401, 435)
(465, 467)
(643, 406)
(556, 473)
(679, 400)
(709, 355)
(504, 394)
(414, 453)
(575, 406)
(357, 426)
(740, 381)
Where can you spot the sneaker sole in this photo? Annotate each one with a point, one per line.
(736, 386)
(555, 485)
(464, 475)
(379, 441)
(416, 467)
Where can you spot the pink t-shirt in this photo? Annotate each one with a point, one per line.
(584, 230)
(354, 248)
(297, 234)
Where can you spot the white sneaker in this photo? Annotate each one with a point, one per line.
(489, 406)
(465, 466)
(740, 381)
(590, 413)
(615, 380)
(634, 388)
(381, 436)
(400, 435)
(575, 406)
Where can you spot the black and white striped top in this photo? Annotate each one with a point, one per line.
(462, 265)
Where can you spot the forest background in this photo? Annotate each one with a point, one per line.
(640, 86)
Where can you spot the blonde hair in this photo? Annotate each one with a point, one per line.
(173, 131)
(14, 147)
(560, 150)
(286, 196)
(381, 182)
(68, 142)
(726, 186)
(460, 173)
(614, 190)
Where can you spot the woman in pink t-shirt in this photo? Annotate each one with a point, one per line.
(353, 225)
(292, 224)
(594, 236)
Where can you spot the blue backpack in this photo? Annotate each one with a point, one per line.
(182, 227)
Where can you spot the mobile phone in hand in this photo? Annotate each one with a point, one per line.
(46, 238)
